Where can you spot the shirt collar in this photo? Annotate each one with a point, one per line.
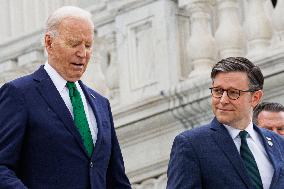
(56, 78)
(234, 132)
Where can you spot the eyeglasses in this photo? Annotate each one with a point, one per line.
(233, 94)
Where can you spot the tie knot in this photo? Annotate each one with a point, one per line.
(70, 85)
(243, 134)
(72, 88)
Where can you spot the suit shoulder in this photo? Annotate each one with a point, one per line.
(198, 132)
(22, 82)
(19, 84)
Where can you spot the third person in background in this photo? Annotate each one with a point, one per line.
(270, 115)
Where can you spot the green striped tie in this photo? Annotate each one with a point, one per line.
(249, 161)
(80, 118)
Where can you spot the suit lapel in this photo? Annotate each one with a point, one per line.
(227, 145)
(50, 94)
(97, 108)
(272, 151)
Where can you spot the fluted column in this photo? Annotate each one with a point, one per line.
(21, 17)
(229, 34)
(258, 27)
(278, 23)
(201, 46)
(16, 17)
(4, 20)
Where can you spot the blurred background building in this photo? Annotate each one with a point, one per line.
(152, 59)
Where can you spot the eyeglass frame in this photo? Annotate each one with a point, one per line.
(249, 90)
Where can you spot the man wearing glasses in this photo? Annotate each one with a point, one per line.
(270, 115)
(230, 152)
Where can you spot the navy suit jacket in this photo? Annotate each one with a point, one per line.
(206, 157)
(40, 146)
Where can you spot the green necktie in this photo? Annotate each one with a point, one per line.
(80, 118)
(249, 161)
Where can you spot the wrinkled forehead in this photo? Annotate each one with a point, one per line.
(76, 28)
(76, 22)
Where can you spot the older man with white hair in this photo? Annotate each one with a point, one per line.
(56, 133)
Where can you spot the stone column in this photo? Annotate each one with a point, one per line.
(201, 46)
(16, 17)
(278, 23)
(258, 27)
(229, 34)
(4, 20)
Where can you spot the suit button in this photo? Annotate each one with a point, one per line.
(91, 164)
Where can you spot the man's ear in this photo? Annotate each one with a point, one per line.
(256, 97)
(48, 40)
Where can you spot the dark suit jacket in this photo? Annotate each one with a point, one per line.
(40, 146)
(206, 157)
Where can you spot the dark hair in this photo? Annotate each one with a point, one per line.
(240, 64)
(266, 106)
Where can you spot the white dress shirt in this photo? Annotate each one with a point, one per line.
(60, 85)
(254, 141)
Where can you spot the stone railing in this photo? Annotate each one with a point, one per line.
(206, 31)
(216, 29)
(225, 28)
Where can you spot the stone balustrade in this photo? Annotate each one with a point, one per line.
(217, 29)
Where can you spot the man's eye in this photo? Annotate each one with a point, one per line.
(73, 43)
(219, 91)
(233, 92)
(88, 46)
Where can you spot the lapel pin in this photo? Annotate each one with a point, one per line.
(270, 143)
(268, 138)
(93, 96)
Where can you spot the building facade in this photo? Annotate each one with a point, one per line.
(152, 59)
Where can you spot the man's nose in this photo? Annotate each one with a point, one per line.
(224, 98)
(81, 51)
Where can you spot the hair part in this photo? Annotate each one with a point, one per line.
(240, 64)
(266, 106)
(54, 20)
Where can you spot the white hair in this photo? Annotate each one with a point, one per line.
(53, 21)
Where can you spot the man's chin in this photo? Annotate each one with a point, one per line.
(73, 78)
(223, 120)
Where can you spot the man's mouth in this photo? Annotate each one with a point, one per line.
(224, 110)
(78, 65)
